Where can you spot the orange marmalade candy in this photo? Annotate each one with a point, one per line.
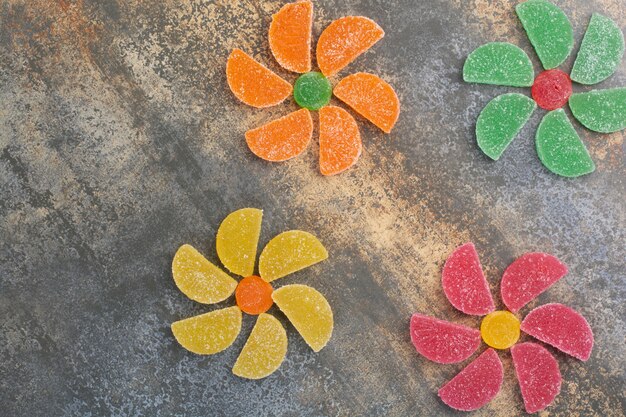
(340, 140)
(290, 36)
(283, 138)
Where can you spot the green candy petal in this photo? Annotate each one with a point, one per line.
(499, 63)
(600, 52)
(548, 29)
(602, 111)
(559, 147)
(501, 120)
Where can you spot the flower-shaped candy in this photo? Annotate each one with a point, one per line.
(550, 32)
(338, 45)
(200, 280)
(537, 370)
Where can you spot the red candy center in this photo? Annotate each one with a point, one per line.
(552, 89)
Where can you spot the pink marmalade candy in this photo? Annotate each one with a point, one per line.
(464, 283)
(442, 341)
(561, 327)
(528, 276)
(475, 385)
(538, 375)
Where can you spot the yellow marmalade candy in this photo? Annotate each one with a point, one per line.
(308, 311)
(264, 351)
(290, 252)
(237, 240)
(209, 333)
(500, 329)
(199, 279)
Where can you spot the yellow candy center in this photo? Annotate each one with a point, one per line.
(500, 329)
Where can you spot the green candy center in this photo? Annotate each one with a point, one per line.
(312, 91)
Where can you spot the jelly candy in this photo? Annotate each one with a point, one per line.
(476, 385)
(552, 89)
(290, 252)
(264, 351)
(500, 329)
(464, 283)
(561, 327)
(254, 84)
(538, 375)
(209, 333)
(528, 276)
(600, 52)
(548, 29)
(442, 341)
(253, 295)
(371, 97)
(290, 36)
(340, 140)
(283, 138)
(312, 91)
(499, 63)
(199, 279)
(600, 110)
(308, 311)
(500, 121)
(344, 40)
(237, 239)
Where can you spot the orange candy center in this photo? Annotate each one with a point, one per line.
(253, 295)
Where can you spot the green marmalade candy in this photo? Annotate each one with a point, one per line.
(499, 63)
(501, 120)
(548, 29)
(600, 52)
(602, 111)
(559, 147)
(312, 91)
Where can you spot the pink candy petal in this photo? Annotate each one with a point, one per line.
(528, 276)
(475, 385)
(561, 327)
(538, 375)
(464, 283)
(442, 341)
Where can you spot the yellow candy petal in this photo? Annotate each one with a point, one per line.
(290, 252)
(209, 333)
(237, 240)
(308, 311)
(199, 279)
(264, 351)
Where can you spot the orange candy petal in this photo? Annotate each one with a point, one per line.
(371, 97)
(344, 40)
(253, 83)
(340, 141)
(282, 138)
(290, 36)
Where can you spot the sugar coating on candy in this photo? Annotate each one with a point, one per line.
(552, 89)
(600, 110)
(561, 327)
(208, 333)
(475, 385)
(340, 140)
(237, 239)
(282, 139)
(371, 97)
(254, 295)
(499, 63)
(500, 122)
(538, 375)
(600, 53)
(528, 276)
(559, 147)
(254, 84)
(464, 283)
(264, 351)
(548, 29)
(290, 252)
(199, 279)
(442, 341)
(290, 36)
(308, 311)
(344, 40)
(312, 91)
